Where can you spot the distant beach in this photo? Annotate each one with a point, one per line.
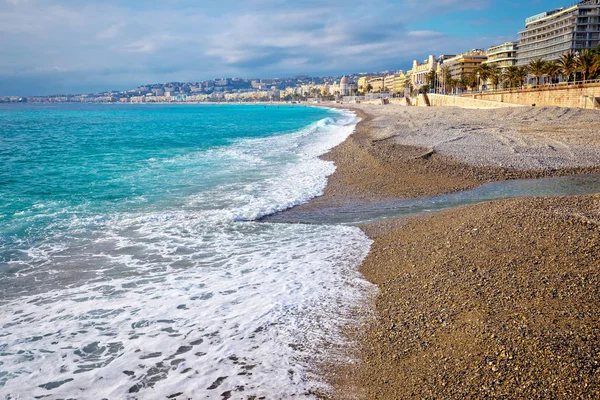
(492, 300)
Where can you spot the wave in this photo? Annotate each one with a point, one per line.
(179, 296)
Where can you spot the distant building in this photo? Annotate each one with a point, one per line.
(399, 83)
(345, 86)
(388, 82)
(376, 84)
(466, 63)
(503, 55)
(363, 83)
(552, 33)
(421, 72)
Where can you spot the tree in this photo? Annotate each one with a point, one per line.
(552, 70)
(369, 87)
(409, 85)
(537, 68)
(445, 77)
(432, 78)
(596, 71)
(463, 81)
(521, 76)
(484, 71)
(568, 64)
(452, 83)
(495, 75)
(510, 76)
(515, 76)
(586, 63)
(472, 80)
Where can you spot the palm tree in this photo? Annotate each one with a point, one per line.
(452, 83)
(495, 75)
(521, 75)
(568, 64)
(484, 71)
(463, 81)
(537, 68)
(432, 79)
(586, 63)
(552, 70)
(596, 70)
(472, 80)
(446, 77)
(510, 75)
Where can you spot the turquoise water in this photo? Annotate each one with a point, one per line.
(98, 159)
(357, 213)
(126, 270)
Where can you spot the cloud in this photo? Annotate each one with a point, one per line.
(123, 44)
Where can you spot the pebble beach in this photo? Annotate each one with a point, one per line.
(494, 300)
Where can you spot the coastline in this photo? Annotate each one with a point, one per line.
(494, 299)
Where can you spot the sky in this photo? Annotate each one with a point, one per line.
(85, 46)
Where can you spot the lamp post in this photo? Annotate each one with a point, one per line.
(478, 81)
(577, 54)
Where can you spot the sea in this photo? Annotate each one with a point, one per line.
(133, 264)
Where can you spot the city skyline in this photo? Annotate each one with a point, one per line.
(51, 46)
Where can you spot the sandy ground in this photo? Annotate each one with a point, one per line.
(496, 300)
(410, 152)
(521, 138)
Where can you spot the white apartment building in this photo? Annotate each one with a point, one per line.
(550, 34)
(503, 55)
(420, 72)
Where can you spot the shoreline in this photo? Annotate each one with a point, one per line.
(371, 164)
(422, 265)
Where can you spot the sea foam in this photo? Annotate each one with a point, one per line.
(195, 300)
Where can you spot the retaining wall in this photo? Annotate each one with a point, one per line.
(439, 100)
(582, 96)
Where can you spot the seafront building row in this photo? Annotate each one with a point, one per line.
(547, 36)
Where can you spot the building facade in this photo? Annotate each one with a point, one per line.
(550, 34)
(388, 83)
(503, 55)
(420, 72)
(362, 83)
(399, 83)
(466, 63)
(345, 87)
(376, 84)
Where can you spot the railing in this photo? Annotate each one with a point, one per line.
(534, 86)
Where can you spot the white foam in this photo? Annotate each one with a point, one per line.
(178, 299)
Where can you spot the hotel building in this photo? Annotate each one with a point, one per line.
(465, 63)
(503, 55)
(399, 83)
(420, 72)
(345, 86)
(388, 83)
(376, 84)
(550, 34)
(362, 83)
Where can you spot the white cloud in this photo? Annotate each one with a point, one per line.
(139, 41)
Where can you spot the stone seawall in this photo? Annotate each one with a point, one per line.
(439, 100)
(581, 96)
